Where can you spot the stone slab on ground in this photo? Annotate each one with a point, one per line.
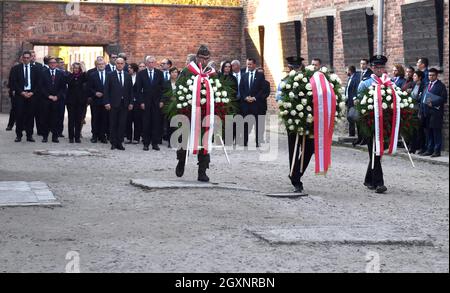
(154, 184)
(360, 235)
(291, 195)
(69, 153)
(20, 193)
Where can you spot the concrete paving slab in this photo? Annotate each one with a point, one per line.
(361, 235)
(26, 194)
(291, 195)
(69, 153)
(154, 184)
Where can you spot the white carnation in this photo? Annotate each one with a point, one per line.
(305, 80)
(181, 98)
(296, 78)
(282, 85)
(185, 90)
(203, 101)
(191, 88)
(342, 105)
(179, 93)
(291, 95)
(301, 114)
(190, 82)
(385, 106)
(185, 104)
(296, 85)
(301, 94)
(297, 121)
(218, 100)
(324, 69)
(370, 101)
(224, 94)
(203, 92)
(300, 76)
(310, 67)
(310, 93)
(309, 109)
(363, 111)
(190, 102)
(189, 97)
(292, 127)
(304, 102)
(388, 98)
(299, 107)
(288, 86)
(179, 106)
(218, 94)
(290, 121)
(308, 86)
(370, 107)
(293, 112)
(411, 106)
(333, 77)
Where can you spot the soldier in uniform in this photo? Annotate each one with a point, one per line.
(374, 177)
(296, 63)
(202, 57)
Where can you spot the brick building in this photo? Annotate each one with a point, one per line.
(340, 32)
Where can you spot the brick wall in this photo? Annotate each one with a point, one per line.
(139, 30)
(272, 14)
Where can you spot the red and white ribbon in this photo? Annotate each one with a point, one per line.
(385, 82)
(195, 139)
(324, 115)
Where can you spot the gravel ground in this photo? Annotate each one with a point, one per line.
(116, 227)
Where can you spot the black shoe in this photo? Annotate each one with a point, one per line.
(55, 140)
(169, 146)
(370, 186)
(363, 143)
(381, 189)
(202, 177)
(113, 147)
(77, 140)
(298, 188)
(9, 128)
(104, 141)
(146, 148)
(135, 142)
(128, 142)
(357, 142)
(71, 140)
(18, 139)
(427, 154)
(30, 139)
(436, 155)
(421, 153)
(94, 140)
(156, 148)
(179, 170)
(44, 140)
(120, 147)
(61, 135)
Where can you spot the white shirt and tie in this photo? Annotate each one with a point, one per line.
(251, 79)
(113, 67)
(121, 76)
(101, 75)
(27, 77)
(166, 75)
(151, 74)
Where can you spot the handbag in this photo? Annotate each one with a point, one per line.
(352, 115)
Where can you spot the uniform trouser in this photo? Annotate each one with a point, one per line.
(99, 121)
(203, 160)
(75, 112)
(49, 117)
(374, 177)
(297, 174)
(12, 113)
(25, 112)
(134, 124)
(152, 125)
(117, 124)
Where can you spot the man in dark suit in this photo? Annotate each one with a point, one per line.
(62, 102)
(25, 82)
(432, 107)
(366, 72)
(251, 95)
(262, 107)
(422, 65)
(150, 87)
(53, 86)
(118, 93)
(96, 89)
(351, 91)
(112, 62)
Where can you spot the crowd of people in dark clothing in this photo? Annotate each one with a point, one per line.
(126, 101)
(418, 81)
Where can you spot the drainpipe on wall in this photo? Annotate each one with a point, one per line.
(380, 27)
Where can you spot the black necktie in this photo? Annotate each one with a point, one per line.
(26, 76)
(101, 78)
(120, 78)
(151, 77)
(251, 80)
(167, 75)
(53, 77)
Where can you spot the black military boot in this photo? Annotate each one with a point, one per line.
(181, 157)
(203, 164)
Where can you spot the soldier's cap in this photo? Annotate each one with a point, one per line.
(378, 60)
(203, 51)
(294, 61)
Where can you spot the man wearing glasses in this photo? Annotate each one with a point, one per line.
(25, 82)
(112, 62)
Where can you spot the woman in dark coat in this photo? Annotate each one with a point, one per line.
(76, 101)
